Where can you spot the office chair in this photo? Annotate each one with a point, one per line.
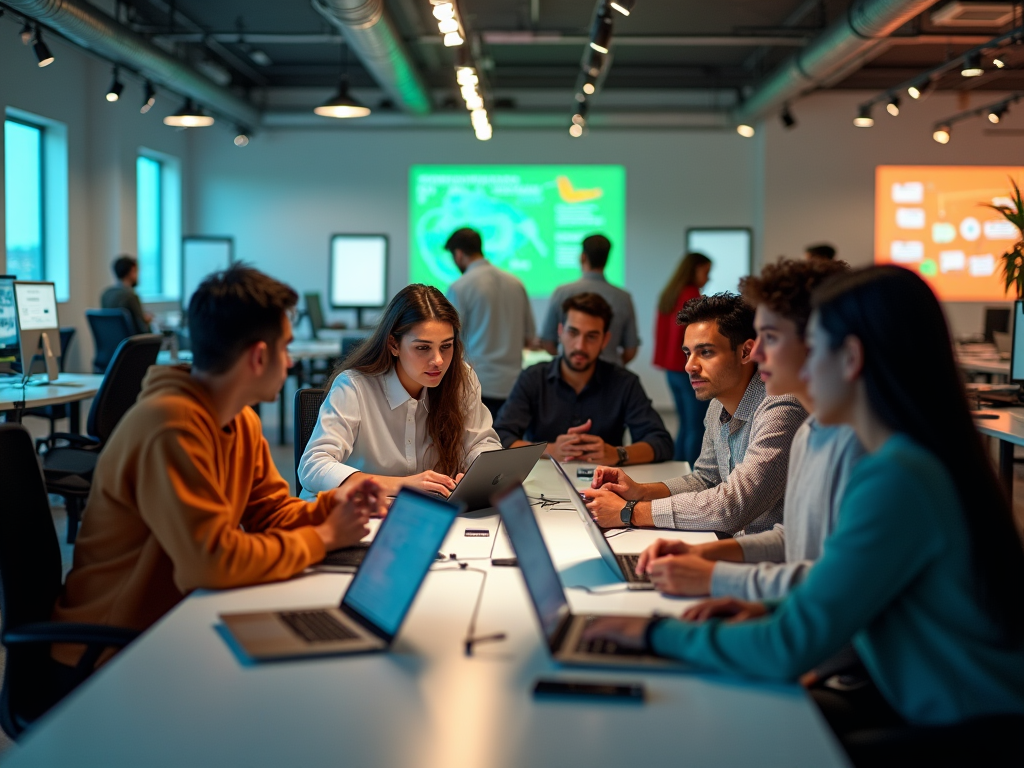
(54, 412)
(109, 328)
(307, 411)
(68, 468)
(30, 582)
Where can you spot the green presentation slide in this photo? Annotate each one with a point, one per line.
(532, 218)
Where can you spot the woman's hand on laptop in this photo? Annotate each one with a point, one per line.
(350, 510)
(431, 482)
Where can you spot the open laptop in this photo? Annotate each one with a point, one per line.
(561, 628)
(623, 565)
(376, 602)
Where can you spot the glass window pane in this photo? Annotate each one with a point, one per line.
(23, 187)
(150, 230)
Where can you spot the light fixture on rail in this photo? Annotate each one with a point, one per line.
(863, 118)
(744, 130)
(918, 89)
(448, 24)
(972, 66)
(893, 107)
(575, 130)
(43, 54)
(625, 7)
(189, 116)
(342, 104)
(996, 113)
(589, 86)
(942, 133)
(26, 33)
(601, 36)
(999, 62)
(242, 139)
(594, 63)
(148, 99)
(116, 87)
(788, 121)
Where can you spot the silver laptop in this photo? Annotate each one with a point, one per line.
(376, 602)
(562, 630)
(493, 472)
(620, 564)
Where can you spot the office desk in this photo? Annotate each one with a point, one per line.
(86, 385)
(986, 361)
(181, 696)
(1008, 428)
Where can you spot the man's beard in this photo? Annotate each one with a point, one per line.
(579, 368)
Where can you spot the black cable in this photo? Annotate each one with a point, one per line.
(471, 640)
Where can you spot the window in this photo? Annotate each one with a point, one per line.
(23, 195)
(149, 194)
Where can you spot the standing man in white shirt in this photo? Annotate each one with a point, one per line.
(497, 321)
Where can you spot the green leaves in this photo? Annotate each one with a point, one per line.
(1013, 260)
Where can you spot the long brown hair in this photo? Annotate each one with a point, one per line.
(412, 305)
(685, 274)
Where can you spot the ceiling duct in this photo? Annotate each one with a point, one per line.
(863, 26)
(371, 33)
(93, 30)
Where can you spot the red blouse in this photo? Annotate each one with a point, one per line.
(668, 337)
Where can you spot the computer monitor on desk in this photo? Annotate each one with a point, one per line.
(9, 352)
(1017, 350)
(38, 326)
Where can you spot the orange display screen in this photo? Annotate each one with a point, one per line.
(933, 219)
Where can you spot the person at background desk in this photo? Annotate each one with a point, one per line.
(623, 340)
(690, 277)
(123, 295)
(739, 480)
(822, 251)
(580, 404)
(403, 408)
(185, 495)
(497, 319)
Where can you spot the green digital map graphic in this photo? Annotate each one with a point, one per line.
(532, 219)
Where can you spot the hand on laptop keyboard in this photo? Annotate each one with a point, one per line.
(624, 633)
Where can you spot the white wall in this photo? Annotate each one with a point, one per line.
(284, 195)
(103, 140)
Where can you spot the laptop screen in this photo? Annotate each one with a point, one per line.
(542, 580)
(402, 551)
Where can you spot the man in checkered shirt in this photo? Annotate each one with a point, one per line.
(739, 480)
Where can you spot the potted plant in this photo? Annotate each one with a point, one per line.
(1013, 259)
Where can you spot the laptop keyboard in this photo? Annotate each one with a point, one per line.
(628, 563)
(605, 647)
(317, 626)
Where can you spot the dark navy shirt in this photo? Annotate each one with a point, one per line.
(543, 406)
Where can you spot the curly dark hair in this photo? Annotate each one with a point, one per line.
(785, 287)
(735, 318)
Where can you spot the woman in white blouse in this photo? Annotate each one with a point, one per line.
(403, 408)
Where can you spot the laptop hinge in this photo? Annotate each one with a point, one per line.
(561, 631)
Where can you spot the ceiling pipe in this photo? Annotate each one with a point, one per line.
(862, 27)
(92, 29)
(371, 33)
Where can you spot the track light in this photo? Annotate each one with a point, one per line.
(893, 107)
(998, 62)
(941, 134)
(448, 25)
(342, 105)
(149, 99)
(444, 11)
(918, 89)
(26, 33)
(788, 121)
(189, 116)
(116, 87)
(744, 130)
(453, 39)
(594, 63)
(42, 52)
(589, 88)
(863, 118)
(580, 118)
(575, 130)
(972, 66)
(996, 113)
(242, 139)
(625, 7)
(601, 36)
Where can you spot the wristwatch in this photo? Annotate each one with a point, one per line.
(623, 456)
(626, 515)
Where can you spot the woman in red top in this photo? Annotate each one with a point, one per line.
(690, 276)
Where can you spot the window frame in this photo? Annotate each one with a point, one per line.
(41, 128)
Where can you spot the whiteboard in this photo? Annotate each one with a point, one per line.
(201, 256)
(730, 253)
(359, 271)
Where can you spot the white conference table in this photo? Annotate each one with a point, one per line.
(1007, 426)
(182, 696)
(70, 389)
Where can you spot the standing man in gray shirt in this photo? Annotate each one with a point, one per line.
(624, 339)
(766, 566)
(497, 320)
(123, 295)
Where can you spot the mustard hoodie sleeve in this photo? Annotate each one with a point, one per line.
(271, 504)
(197, 523)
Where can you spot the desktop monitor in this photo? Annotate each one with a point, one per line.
(358, 273)
(38, 325)
(997, 320)
(315, 312)
(9, 352)
(1017, 350)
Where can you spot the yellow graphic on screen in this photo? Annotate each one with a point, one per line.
(571, 195)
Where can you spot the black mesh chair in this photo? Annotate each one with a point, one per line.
(109, 328)
(53, 413)
(307, 411)
(30, 582)
(69, 461)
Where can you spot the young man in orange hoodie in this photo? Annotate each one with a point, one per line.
(185, 494)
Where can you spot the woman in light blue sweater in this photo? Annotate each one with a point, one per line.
(924, 571)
